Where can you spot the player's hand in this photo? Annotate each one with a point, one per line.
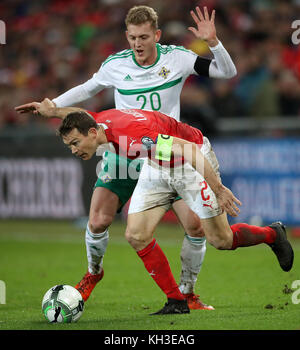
(228, 201)
(45, 108)
(205, 26)
(40, 108)
(28, 107)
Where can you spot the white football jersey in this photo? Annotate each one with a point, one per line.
(156, 87)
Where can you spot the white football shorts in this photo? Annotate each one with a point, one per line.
(160, 186)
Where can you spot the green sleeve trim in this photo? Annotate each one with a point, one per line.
(164, 147)
(117, 56)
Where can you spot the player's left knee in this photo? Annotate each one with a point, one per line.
(100, 222)
(138, 239)
(194, 227)
(221, 243)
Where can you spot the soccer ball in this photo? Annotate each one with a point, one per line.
(62, 304)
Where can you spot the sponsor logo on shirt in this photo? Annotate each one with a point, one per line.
(128, 78)
(132, 141)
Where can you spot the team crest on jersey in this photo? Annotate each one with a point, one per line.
(106, 178)
(147, 142)
(164, 72)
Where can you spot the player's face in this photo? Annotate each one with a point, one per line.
(142, 39)
(83, 146)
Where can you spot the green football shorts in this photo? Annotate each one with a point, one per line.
(120, 176)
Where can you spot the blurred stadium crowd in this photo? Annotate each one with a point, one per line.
(52, 46)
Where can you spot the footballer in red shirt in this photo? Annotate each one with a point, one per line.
(209, 198)
(132, 132)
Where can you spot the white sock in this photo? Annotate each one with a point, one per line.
(192, 256)
(96, 244)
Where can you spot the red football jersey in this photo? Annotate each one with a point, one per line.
(134, 131)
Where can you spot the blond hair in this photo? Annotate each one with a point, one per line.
(142, 14)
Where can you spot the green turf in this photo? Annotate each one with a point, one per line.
(36, 255)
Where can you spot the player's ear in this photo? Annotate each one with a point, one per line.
(93, 132)
(157, 35)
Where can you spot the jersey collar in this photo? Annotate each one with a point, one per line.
(147, 67)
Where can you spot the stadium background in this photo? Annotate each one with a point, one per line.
(252, 120)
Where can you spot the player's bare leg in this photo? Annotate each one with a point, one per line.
(192, 254)
(139, 233)
(140, 227)
(104, 205)
(223, 236)
(218, 232)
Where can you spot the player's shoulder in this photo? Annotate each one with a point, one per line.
(173, 49)
(115, 58)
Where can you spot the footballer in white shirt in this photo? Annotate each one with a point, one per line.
(147, 76)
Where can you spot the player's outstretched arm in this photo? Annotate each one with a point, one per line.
(28, 107)
(47, 109)
(81, 92)
(191, 153)
(34, 106)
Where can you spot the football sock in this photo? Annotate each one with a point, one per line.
(96, 244)
(192, 255)
(247, 235)
(158, 267)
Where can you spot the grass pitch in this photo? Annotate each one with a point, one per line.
(247, 287)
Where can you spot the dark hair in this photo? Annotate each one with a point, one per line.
(77, 120)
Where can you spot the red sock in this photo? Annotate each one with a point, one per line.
(246, 235)
(157, 265)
